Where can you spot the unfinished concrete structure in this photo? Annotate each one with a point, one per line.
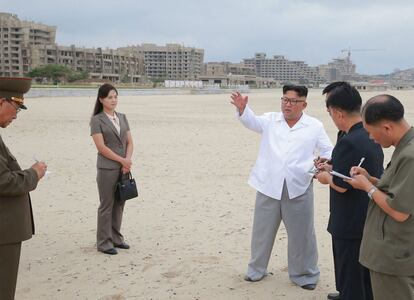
(171, 62)
(281, 69)
(16, 39)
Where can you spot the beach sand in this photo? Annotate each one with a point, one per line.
(190, 228)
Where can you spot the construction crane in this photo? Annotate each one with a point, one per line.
(349, 50)
(348, 57)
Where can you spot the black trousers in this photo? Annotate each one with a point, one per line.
(352, 279)
(9, 266)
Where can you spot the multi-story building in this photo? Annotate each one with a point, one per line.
(26, 45)
(171, 62)
(226, 68)
(227, 74)
(338, 69)
(109, 64)
(16, 39)
(281, 69)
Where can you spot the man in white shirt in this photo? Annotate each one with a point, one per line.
(290, 140)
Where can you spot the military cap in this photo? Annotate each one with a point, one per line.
(13, 88)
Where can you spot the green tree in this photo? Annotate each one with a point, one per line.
(125, 78)
(57, 73)
(74, 76)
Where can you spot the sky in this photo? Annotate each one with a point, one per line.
(381, 31)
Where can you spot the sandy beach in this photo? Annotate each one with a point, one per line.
(190, 228)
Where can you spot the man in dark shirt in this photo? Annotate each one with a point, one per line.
(348, 206)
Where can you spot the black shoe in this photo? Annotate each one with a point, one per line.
(122, 246)
(310, 286)
(111, 251)
(334, 296)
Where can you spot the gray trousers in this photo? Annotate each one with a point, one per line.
(9, 266)
(297, 215)
(109, 212)
(386, 287)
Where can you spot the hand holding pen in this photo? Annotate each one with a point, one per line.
(40, 167)
(358, 170)
(322, 164)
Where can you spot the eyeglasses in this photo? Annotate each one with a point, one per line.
(12, 103)
(292, 102)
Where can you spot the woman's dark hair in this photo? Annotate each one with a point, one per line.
(382, 108)
(301, 90)
(102, 93)
(344, 96)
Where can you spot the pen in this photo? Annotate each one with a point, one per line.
(361, 161)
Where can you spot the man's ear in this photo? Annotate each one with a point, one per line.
(341, 113)
(388, 127)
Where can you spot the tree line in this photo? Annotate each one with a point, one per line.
(57, 73)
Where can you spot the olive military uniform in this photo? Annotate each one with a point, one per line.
(387, 247)
(16, 218)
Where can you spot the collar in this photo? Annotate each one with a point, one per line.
(304, 119)
(111, 117)
(408, 136)
(356, 126)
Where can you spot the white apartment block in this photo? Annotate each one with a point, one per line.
(170, 62)
(281, 69)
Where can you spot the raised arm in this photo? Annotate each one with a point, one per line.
(246, 115)
(239, 101)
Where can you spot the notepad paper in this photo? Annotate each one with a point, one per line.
(340, 175)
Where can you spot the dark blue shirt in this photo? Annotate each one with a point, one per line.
(348, 210)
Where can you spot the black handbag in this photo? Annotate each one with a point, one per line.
(126, 188)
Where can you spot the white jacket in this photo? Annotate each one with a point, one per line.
(285, 153)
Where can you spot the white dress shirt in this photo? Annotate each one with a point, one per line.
(115, 120)
(285, 153)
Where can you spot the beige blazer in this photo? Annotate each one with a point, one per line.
(16, 217)
(100, 123)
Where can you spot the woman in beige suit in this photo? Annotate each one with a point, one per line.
(112, 137)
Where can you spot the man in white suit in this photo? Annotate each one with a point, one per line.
(289, 143)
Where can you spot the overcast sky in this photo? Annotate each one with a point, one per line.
(230, 30)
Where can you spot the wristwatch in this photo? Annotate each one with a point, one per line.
(372, 191)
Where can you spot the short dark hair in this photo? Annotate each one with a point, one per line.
(382, 108)
(344, 96)
(301, 90)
